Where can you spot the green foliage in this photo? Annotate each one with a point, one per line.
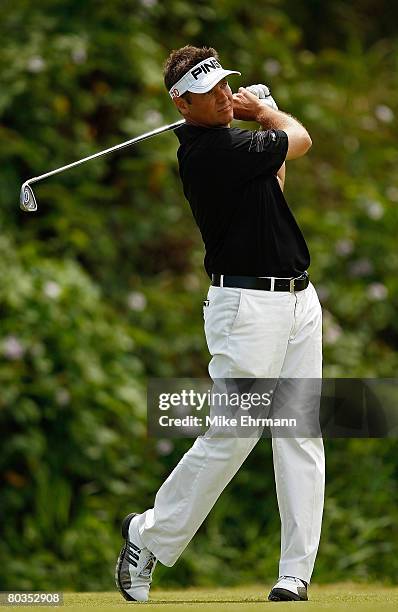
(103, 287)
(72, 411)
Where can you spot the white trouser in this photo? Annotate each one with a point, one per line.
(262, 334)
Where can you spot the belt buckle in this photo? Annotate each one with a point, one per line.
(291, 285)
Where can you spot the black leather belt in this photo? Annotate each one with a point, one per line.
(263, 283)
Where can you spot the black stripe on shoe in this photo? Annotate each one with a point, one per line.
(286, 595)
(124, 553)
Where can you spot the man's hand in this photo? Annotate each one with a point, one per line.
(247, 106)
(263, 93)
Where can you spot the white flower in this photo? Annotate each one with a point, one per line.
(384, 113)
(332, 334)
(375, 209)
(344, 247)
(332, 330)
(136, 301)
(361, 267)
(272, 66)
(152, 118)
(12, 348)
(377, 291)
(164, 447)
(36, 64)
(52, 289)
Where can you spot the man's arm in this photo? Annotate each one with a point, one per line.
(299, 139)
(280, 175)
(248, 107)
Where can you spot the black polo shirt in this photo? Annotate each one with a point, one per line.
(229, 180)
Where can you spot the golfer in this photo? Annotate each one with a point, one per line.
(262, 317)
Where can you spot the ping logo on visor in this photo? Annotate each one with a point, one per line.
(205, 67)
(201, 78)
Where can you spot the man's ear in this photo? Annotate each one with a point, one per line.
(182, 105)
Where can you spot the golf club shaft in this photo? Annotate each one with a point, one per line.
(27, 200)
(122, 145)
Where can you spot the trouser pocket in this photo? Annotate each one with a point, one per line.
(222, 315)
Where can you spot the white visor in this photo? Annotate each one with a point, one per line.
(201, 78)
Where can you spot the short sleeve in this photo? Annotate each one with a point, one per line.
(254, 153)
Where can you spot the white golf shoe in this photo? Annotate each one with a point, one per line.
(289, 588)
(135, 565)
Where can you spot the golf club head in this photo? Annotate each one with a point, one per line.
(27, 200)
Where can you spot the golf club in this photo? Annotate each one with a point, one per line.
(27, 200)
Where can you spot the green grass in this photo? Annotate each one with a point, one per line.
(344, 596)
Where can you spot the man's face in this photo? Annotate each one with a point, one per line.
(211, 109)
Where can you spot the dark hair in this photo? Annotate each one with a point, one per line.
(181, 60)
